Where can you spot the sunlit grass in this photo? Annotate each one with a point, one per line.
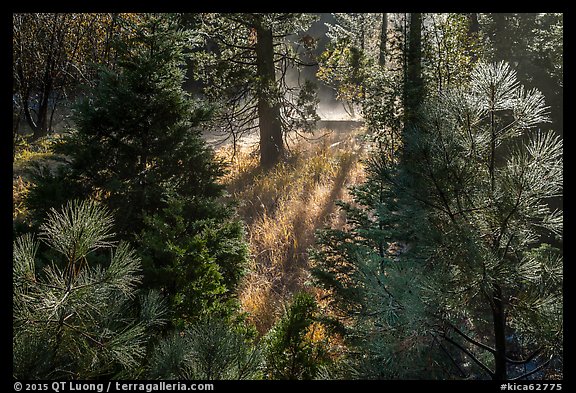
(25, 155)
(282, 209)
(27, 152)
(20, 189)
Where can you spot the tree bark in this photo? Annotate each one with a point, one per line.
(271, 142)
(502, 36)
(473, 31)
(413, 89)
(383, 36)
(499, 322)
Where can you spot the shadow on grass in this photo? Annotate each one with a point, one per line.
(283, 208)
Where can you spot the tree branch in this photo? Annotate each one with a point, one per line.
(471, 340)
(470, 355)
(228, 44)
(505, 222)
(451, 358)
(529, 358)
(540, 367)
(240, 62)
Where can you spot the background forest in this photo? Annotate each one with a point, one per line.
(287, 196)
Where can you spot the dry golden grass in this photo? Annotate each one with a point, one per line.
(25, 155)
(282, 209)
(20, 189)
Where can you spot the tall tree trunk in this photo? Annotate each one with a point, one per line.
(39, 125)
(362, 32)
(413, 86)
(502, 37)
(271, 143)
(473, 32)
(383, 36)
(473, 24)
(499, 322)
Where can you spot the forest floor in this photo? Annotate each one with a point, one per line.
(283, 208)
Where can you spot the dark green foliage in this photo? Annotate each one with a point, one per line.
(290, 349)
(208, 350)
(135, 133)
(377, 283)
(197, 264)
(51, 188)
(538, 318)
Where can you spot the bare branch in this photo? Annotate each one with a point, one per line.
(470, 355)
(471, 340)
(529, 358)
(540, 367)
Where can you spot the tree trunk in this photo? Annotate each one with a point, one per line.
(473, 31)
(502, 36)
(413, 89)
(499, 321)
(40, 125)
(271, 143)
(473, 24)
(383, 36)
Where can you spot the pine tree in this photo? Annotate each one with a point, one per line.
(246, 72)
(81, 316)
(442, 271)
(210, 349)
(197, 263)
(489, 172)
(136, 134)
(374, 285)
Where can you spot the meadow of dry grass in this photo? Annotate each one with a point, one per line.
(283, 208)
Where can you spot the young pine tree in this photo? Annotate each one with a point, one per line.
(443, 272)
(487, 173)
(291, 352)
(209, 349)
(81, 316)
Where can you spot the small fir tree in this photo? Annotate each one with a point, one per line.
(291, 350)
(137, 148)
